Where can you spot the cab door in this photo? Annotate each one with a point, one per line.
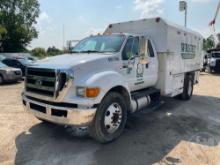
(150, 75)
(146, 65)
(130, 59)
(140, 63)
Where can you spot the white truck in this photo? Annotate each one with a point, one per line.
(107, 76)
(212, 60)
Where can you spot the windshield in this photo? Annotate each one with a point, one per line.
(2, 65)
(25, 62)
(216, 55)
(96, 44)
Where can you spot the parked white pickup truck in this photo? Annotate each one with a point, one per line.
(108, 76)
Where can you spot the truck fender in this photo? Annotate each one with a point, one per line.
(108, 81)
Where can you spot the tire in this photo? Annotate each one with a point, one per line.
(187, 88)
(211, 70)
(1, 80)
(108, 126)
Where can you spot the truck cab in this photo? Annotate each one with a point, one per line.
(107, 76)
(214, 60)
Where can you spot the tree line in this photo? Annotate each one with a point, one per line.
(212, 42)
(42, 53)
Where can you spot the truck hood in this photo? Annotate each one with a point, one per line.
(67, 61)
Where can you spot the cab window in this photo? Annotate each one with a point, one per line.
(135, 49)
(150, 49)
(131, 48)
(9, 62)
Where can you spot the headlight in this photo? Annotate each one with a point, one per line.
(9, 72)
(87, 92)
(213, 62)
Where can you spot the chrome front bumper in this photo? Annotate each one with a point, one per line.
(59, 115)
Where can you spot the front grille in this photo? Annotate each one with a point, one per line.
(47, 82)
(41, 81)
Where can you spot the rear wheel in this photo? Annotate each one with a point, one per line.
(110, 118)
(188, 88)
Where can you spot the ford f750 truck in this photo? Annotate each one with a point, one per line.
(107, 76)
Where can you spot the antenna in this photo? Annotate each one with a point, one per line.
(64, 36)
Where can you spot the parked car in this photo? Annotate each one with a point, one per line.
(2, 57)
(18, 63)
(8, 74)
(26, 56)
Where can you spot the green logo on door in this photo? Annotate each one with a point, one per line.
(140, 70)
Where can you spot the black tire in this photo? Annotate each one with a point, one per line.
(187, 88)
(98, 130)
(1, 79)
(204, 69)
(211, 70)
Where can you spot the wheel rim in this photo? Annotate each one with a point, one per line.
(113, 118)
(190, 88)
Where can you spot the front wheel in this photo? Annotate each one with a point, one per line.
(110, 118)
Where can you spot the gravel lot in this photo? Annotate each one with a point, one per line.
(177, 133)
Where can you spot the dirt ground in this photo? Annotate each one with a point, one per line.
(177, 133)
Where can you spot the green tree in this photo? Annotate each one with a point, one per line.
(218, 44)
(209, 43)
(18, 17)
(2, 35)
(53, 51)
(39, 52)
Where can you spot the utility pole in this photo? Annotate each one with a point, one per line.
(183, 6)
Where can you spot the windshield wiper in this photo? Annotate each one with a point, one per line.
(75, 52)
(91, 51)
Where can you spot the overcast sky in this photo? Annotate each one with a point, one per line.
(80, 18)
